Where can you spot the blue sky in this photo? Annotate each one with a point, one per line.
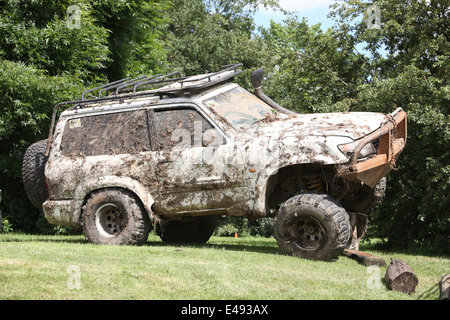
(314, 11)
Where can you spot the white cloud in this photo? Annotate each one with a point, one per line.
(315, 11)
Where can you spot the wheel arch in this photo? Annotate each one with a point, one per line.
(84, 191)
(323, 178)
(285, 182)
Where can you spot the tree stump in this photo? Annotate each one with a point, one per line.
(445, 287)
(400, 277)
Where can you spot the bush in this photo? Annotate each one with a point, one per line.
(228, 226)
(6, 226)
(28, 96)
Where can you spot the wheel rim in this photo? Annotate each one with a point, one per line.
(109, 220)
(308, 233)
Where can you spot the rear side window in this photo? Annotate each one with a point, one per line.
(106, 134)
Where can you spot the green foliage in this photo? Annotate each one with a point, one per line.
(315, 71)
(244, 227)
(6, 225)
(322, 71)
(44, 59)
(28, 95)
(36, 34)
(133, 36)
(414, 76)
(205, 35)
(404, 63)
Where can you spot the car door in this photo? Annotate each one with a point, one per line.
(198, 169)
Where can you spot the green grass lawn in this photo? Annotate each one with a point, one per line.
(67, 267)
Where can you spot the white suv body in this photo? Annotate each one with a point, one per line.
(219, 150)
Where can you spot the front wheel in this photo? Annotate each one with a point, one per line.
(312, 226)
(115, 216)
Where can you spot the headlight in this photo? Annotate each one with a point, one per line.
(348, 148)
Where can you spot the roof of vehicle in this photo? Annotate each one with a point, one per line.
(158, 86)
(169, 85)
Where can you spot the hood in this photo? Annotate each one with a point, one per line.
(349, 124)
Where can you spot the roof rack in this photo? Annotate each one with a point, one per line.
(160, 83)
(146, 86)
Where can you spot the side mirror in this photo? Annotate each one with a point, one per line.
(256, 78)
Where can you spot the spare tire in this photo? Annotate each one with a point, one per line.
(33, 177)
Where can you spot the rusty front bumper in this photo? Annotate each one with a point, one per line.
(391, 138)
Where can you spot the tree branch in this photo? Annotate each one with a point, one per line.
(323, 64)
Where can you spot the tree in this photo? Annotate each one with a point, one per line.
(313, 70)
(42, 61)
(414, 76)
(28, 95)
(50, 51)
(204, 35)
(323, 71)
(133, 36)
(40, 33)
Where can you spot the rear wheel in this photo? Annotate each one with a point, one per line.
(312, 226)
(115, 216)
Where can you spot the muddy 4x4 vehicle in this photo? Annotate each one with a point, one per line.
(172, 153)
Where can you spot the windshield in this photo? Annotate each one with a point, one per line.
(239, 107)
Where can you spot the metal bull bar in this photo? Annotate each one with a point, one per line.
(392, 139)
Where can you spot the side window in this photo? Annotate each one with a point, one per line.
(106, 134)
(182, 128)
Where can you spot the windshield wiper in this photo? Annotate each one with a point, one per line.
(255, 122)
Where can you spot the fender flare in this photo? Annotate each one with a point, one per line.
(87, 187)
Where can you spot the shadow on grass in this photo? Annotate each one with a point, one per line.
(432, 292)
(414, 249)
(22, 237)
(258, 248)
(242, 245)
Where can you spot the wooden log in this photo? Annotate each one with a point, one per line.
(400, 277)
(366, 259)
(445, 286)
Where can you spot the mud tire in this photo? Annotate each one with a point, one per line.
(33, 166)
(115, 217)
(312, 226)
(193, 232)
